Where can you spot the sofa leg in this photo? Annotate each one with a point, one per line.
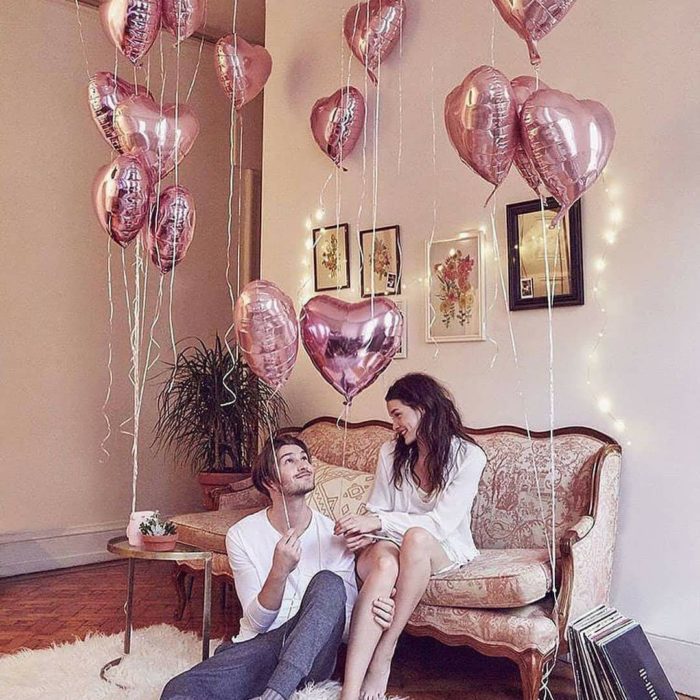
(531, 666)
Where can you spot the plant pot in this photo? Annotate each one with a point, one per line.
(208, 481)
(159, 543)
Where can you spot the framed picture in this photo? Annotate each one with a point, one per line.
(385, 244)
(331, 258)
(403, 349)
(455, 304)
(527, 271)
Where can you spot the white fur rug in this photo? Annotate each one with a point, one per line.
(72, 671)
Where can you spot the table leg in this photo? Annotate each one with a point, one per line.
(129, 606)
(206, 614)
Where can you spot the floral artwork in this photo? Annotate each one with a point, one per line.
(331, 261)
(329, 255)
(456, 294)
(380, 263)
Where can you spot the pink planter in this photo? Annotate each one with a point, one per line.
(159, 543)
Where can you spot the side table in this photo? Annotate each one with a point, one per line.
(182, 552)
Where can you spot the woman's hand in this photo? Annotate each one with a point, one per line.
(357, 525)
(383, 612)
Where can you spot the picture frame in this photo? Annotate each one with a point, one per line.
(331, 249)
(402, 352)
(527, 287)
(387, 265)
(455, 302)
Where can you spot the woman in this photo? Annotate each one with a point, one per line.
(417, 525)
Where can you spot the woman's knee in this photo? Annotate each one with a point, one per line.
(417, 542)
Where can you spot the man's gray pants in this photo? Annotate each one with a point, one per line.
(302, 650)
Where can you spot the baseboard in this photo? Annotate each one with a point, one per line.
(27, 552)
(681, 662)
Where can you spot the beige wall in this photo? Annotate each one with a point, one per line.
(53, 272)
(642, 64)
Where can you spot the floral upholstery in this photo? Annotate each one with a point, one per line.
(208, 530)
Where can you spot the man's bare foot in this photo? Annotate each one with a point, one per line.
(377, 679)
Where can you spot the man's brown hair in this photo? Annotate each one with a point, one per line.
(264, 472)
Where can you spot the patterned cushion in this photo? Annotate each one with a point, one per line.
(497, 578)
(339, 491)
(208, 530)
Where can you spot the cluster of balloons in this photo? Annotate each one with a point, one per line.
(372, 30)
(350, 344)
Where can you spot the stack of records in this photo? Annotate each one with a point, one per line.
(613, 660)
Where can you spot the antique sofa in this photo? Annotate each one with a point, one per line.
(506, 602)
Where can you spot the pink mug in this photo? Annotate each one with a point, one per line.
(132, 529)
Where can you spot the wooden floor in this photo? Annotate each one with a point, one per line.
(39, 609)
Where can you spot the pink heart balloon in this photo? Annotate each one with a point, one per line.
(267, 331)
(121, 194)
(350, 344)
(132, 25)
(372, 29)
(172, 227)
(183, 17)
(533, 19)
(337, 122)
(523, 87)
(482, 123)
(142, 129)
(569, 141)
(242, 68)
(105, 92)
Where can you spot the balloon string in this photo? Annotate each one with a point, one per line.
(199, 55)
(108, 393)
(375, 185)
(240, 202)
(493, 35)
(400, 149)
(82, 39)
(135, 361)
(363, 189)
(277, 468)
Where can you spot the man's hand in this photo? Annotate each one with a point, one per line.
(383, 611)
(357, 525)
(356, 543)
(287, 554)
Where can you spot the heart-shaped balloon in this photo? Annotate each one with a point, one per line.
(569, 141)
(533, 19)
(132, 25)
(350, 344)
(242, 68)
(267, 331)
(162, 139)
(523, 87)
(105, 92)
(183, 17)
(482, 123)
(172, 227)
(372, 29)
(121, 194)
(337, 122)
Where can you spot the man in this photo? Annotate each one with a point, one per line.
(295, 580)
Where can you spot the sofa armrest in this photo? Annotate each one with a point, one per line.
(239, 495)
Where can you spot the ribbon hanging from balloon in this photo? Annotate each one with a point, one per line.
(242, 68)
(372, 30)
(533, 19)
(525, 86)
(183, 18)
(170, 233)
(337, 122)
(350, 344)
(131, 25)
(569, 141)
(267, 331)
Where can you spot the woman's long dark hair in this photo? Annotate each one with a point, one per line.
(439, 423)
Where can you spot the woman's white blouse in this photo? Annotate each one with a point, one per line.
(446, 516)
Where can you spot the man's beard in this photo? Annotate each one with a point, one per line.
(302, 489)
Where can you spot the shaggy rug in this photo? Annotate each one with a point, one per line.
(72, 671)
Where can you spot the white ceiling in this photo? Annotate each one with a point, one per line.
(250, 19)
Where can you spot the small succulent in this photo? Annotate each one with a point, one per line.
(155, 525)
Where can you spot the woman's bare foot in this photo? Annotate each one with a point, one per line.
(377, 678)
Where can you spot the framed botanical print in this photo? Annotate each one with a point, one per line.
(527, 265)
(402, 352)
(331, 258)
(455, 304)
(380, 261)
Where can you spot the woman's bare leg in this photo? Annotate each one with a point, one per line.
(378, 567)
(420, 555)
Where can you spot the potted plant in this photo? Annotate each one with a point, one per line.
(212, 410)
(158, 535)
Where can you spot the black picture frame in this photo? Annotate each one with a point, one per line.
(323, 279)
(523, 289)
(395, 273)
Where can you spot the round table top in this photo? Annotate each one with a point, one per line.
(121, 547)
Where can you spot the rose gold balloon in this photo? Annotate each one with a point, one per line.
(523, 87)
(267, 331)
(372, 29)
(121, 193)
(533, 19)
(142, 129)
(183, 17)
(337, 122)
(105, 92)
(569, 141)
(350, 344)
(132, 25)
(242, 68)
(172, 227)
(482, 123)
